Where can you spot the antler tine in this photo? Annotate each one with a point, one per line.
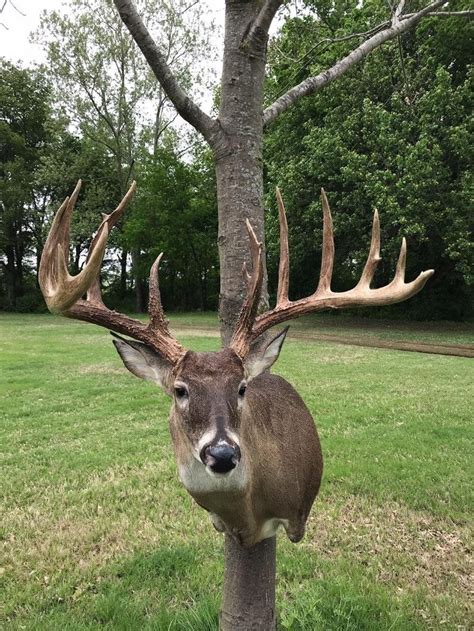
(158, 325)
(64, 222)
(155, 308)
(53, 266)
(242, 332)
(401, 263)
(327, 256)
(373, 258)
(94, 293)
(398, 285)
(284, 266)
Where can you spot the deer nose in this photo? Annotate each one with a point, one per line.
(221, 458)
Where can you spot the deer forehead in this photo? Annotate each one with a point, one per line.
(215, 367)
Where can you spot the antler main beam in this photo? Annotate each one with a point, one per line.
(64, 293)
(362, 295)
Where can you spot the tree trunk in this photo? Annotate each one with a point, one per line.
(139, 295)
(139, 283)
(248, 600)
(239, 168)
(123, 273)
(10, 277)
(249, 585)
(19, 252)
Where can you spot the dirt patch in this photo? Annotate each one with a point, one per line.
(456, 350)
(398, 545)
(98, 369)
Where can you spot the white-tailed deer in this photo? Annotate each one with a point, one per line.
(245, 443)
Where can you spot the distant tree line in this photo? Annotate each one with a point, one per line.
(394, 133)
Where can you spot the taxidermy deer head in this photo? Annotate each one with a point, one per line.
(245, 443)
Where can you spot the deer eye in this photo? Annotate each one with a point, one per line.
(181, 392)
(242, 389)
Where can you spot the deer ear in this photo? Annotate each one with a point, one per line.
(144, 362)
(263, 357)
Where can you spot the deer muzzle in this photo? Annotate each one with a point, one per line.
(221, 457)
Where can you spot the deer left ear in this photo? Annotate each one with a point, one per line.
(263, 357)
(144, 363)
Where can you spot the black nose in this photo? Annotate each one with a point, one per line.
(221, 458)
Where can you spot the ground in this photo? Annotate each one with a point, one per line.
(97, 531)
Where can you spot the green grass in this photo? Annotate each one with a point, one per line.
(96, 531)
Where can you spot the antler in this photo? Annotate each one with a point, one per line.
(64, 293)
(248, 327)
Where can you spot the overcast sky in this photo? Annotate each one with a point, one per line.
(14, 44)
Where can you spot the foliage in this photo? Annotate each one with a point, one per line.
(98, 531)
(25, 114)
(176, 213)
(392, 134)
(40, 162)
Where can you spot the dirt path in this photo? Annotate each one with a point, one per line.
(457, 350)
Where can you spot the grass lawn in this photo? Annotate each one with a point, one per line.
(96, 531)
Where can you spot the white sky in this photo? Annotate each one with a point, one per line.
(14, 44)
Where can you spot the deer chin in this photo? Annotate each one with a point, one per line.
(198, 479)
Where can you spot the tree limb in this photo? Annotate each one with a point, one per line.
(398, 12)
(443, 14)
(265, 16)
(185, 106)
(399, 25)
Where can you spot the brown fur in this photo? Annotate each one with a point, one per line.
(281, 453)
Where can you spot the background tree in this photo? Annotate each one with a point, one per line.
(175, 212)
(25, 112)
(40, 161)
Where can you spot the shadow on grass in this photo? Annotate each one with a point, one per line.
(163, 589)
(316, 594)
(179, 589)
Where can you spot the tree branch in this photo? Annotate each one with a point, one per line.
(314, 84)
(256, 37)
(185, 106)
(443, 14)
(266, 14)
(398, 12)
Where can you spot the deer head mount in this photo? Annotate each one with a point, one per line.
(242, 437)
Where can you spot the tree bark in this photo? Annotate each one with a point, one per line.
(10, 277)
(239, 164)
(248, 600)
(123, 273)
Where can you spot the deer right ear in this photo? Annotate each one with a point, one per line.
(262, 359)
(144, 363)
